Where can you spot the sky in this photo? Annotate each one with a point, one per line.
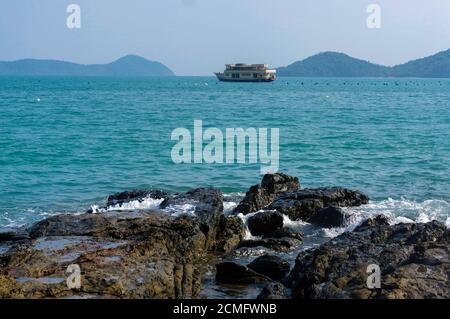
(197, 37)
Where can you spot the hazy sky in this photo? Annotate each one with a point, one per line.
(197, 37)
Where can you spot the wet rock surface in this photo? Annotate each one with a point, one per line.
(379, 220)
(328, 217)
(230, 232)
(274, 290)
(306, 203)
(284, 233)
(273, 267)
(265, 222)
(414, 261)
(232, 273)
(121, 254)
(139, 195)
(283, 244)
(8, 234)
(261, 195)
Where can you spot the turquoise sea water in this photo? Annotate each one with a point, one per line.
(66, 143)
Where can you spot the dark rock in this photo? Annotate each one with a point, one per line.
(279, 183)
(273, 267)
(305, 203)
(297, 209)
(70, 225)
(334, 196)
(208, 208)
(206, 202)
(231, 232)
(283, 244)
(414, 260)
(265, 222)
(119, 199)
(328, 217)
(279, 240)
(379, 220)
(231, 273)
(284, 233)
(133, 254)
(273, 290)
(128, 196)
(259, 196)
(8, 234)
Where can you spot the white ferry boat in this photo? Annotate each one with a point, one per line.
(241, 72)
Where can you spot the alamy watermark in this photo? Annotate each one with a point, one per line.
(236, 145)
(374, 19)
(73, 280)
(74, 19)
(373, 276)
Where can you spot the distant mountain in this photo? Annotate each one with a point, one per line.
(130, 65)
(333, 64)
(435, 66)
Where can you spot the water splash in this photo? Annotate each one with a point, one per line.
(403, 210)
(146, 203)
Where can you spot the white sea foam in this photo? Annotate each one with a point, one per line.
(149, 203)
(228, 207)
(404, 211)
(180, 210)
(398, 211)
(333, 232)
(402, 219)
(295, 224)
(248, 234)
(230, 201)
(174, 210)
(145, 203)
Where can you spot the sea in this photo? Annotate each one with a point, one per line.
(66, 143)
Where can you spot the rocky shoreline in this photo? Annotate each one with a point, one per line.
(165, 251)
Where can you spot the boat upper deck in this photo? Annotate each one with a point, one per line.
(246, 67)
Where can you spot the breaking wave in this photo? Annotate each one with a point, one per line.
(248, 234)
(404, 211)
(398, 210)
(180, 210)
(145, 203)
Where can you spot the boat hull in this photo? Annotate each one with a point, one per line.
(227, 79)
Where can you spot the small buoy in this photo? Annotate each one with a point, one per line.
(38, 99)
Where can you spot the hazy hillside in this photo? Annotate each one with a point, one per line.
(435, 66)
(332, 64)
(129, 65)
